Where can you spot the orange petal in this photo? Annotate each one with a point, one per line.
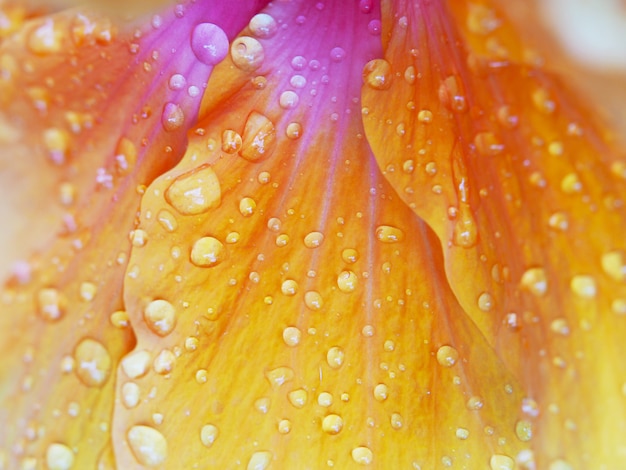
(526, 194)
(290, 310)
(87, 104)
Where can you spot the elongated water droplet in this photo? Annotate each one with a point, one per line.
(195, 192)
(259, 137)
(208, 434)
(93, 363)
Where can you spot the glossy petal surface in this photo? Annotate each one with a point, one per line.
(290, 310)
(526, 194)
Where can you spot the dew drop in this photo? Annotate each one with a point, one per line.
(570, 184)
(59, 457)
(231, 141)
(485, 302)
(335, 357)
(50, 304)
(298, 398)
(136, 364)
(148, 445)
(535, 281)
(260, 460)
(247, 53)
(167, 220)
(207, 252)
(247, 206)
(389, 234)
(172, 117)
(130, 394)
(259, 137)
(289, 287)
(208, 434)
(284, 426)
(474, 403)
(93, 363)
(614, 265)
(164, 362)
(488, 144)
(347, 281)
(46, 38)
(332, 424)
(209, 43)
(263, 25)
(288, 99)
(465, 230)
(313, 300)
(337, 54)
(350, 255)
(396, 421)
(292, 336)
(462, 433)
(313, 239)
(543, 101)
(524, 430)
(195, 192)
(374, 27)
(362, 455)
(451, 95)
(501, 462)
(507, 118)
(447, 356)
(279, 376)
(381, 392)
(583, 286)
(57, 143)
(325, 399)
(294, 130)
(160, 316)
(377, 74)
(177, 82)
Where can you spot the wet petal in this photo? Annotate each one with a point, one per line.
(94, 107)
(288, 306)
(526, 194)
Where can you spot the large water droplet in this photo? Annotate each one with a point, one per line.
(247, 53)
(195, 192)
(207, 252)
(148, 445)
(46, 38)
(332, 424)
(50, 304)
(501, 462)
(335, 357)
(93, 363)
(209, 43)
(377, 74)
(347, 281)
(298, 398)
(447, 356)
(389, 234)
(59, 457)
(259, 137)
(313, 300)
(362, 455)
(263, 25)
(136, 364)
(535, 281)
(130, 394)
(160, 316)
(260, 461)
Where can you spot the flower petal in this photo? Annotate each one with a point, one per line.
(290, 310)
(526, 194)
(93, 108)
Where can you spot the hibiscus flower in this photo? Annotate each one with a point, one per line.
(306, 235)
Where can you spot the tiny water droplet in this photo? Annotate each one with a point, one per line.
(347, 281)
(313, 300)
(292, 336)
(50, 304)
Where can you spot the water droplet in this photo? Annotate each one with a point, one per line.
(119, 319)
(559, 221)
(325, 399)
(501, 462)
(93, 363)
(560, 464)
(50, 304)
(207, 252)
(474, 403)
(377, 74)
(209, 43)
(289, 287)
(381, 392)
(337, 54)
(534, 280)
(487, 144)
(282, 239)
(167, 220)
(284, 426)
(148, 445)
(374, 27)
(543, 101)
(59, 457)
(136, 364)
(274, 224)
(288, 99)
(279, 376)
(164, 362)
(614, 265)
(172, 117)
(292, 336)
(350, 255)
(485, 302)
(507, 118)
(298, 63)
(362, 455)
(208, 434)
(570, 184)
(524, 430)
(332, 424)
(298, 398)
(46, 38)
(584, 286)
(465, 230)
(263, 25)
(294, 130)
(313, 239)
(138, 238)
(335, 357)
(259, 137)
(177, 82)
(389, 234)
(451, 94)
(313, 300)
(195, 192)
(130, 394)
(396, 421)
(447, 356)
(481, 20)
(462, 433)
(160, 316)
(347, 281)
(57, 142)
(231, 141)
(260, 461)
(247, 53)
